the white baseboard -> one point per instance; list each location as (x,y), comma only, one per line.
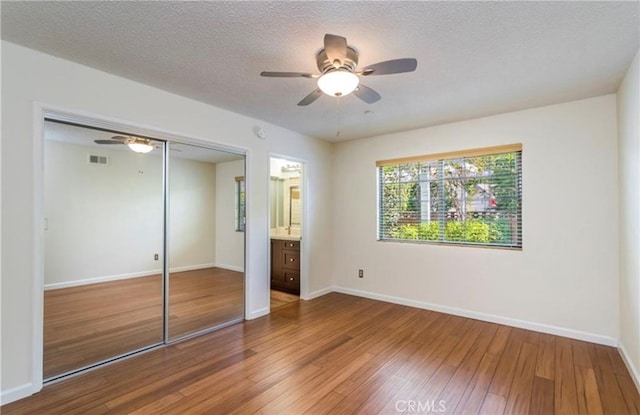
(318,293)
(191,267)
(258,313)
(108,278)
(635,372)
(230,267)
(19,392)
(96,280)
(543,328)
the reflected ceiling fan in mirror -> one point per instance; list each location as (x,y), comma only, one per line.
(137,144)
(337,63)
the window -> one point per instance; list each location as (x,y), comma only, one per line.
(240,204)
(470,197)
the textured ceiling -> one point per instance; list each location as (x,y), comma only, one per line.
(474,58)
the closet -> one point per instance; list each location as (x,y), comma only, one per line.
(141,243)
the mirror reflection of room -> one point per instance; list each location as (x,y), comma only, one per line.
(104,222)
(103,209)
(285,230)
(206,260)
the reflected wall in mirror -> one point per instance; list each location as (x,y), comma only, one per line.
(206,252)
(104,221)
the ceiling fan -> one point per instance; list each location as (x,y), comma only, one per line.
(337,63)
(137,144)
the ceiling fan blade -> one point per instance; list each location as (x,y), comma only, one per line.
(310,98)
(366,94)
(288,74)
(107,142)
(391,67)
(120,138)
(336,49)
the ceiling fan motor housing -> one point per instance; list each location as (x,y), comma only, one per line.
(350,62)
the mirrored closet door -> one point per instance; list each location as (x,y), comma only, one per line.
(104,221)
(206,239)
(114,204)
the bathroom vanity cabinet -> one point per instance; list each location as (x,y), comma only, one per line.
(285,265)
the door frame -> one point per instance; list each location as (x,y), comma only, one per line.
(304,231)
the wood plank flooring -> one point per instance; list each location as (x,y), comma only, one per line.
(90,323)
(340,354)
(204,298)
(280,298)
(87,324)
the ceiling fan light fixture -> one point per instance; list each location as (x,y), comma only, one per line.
(140,146)
(338,83)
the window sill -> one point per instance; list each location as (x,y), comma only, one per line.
(450,244)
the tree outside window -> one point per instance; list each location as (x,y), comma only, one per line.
(470,198)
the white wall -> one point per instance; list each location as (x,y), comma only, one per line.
(565,278)
(29,76)
(229,242)
(629,202)
(106,222)
(192,214)
(103,221)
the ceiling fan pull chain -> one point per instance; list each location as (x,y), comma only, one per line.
(338,116)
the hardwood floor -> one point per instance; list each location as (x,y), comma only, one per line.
(204,298)
(87,324)
(339,354)
(279,298)
(90,323)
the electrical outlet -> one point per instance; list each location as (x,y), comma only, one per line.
(360,273)
(155,257)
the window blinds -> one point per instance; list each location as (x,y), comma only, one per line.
(471,197)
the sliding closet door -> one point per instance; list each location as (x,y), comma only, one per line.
(205,239)
(104,221)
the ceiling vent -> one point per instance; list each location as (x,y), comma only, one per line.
(101,160)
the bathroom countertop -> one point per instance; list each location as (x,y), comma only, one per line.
(285,236)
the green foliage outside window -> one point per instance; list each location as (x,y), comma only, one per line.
(468,200)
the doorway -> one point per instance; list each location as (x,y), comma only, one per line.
(133,233)
(286,229)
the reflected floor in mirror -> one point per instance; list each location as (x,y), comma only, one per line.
(91,323)
(204,298)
